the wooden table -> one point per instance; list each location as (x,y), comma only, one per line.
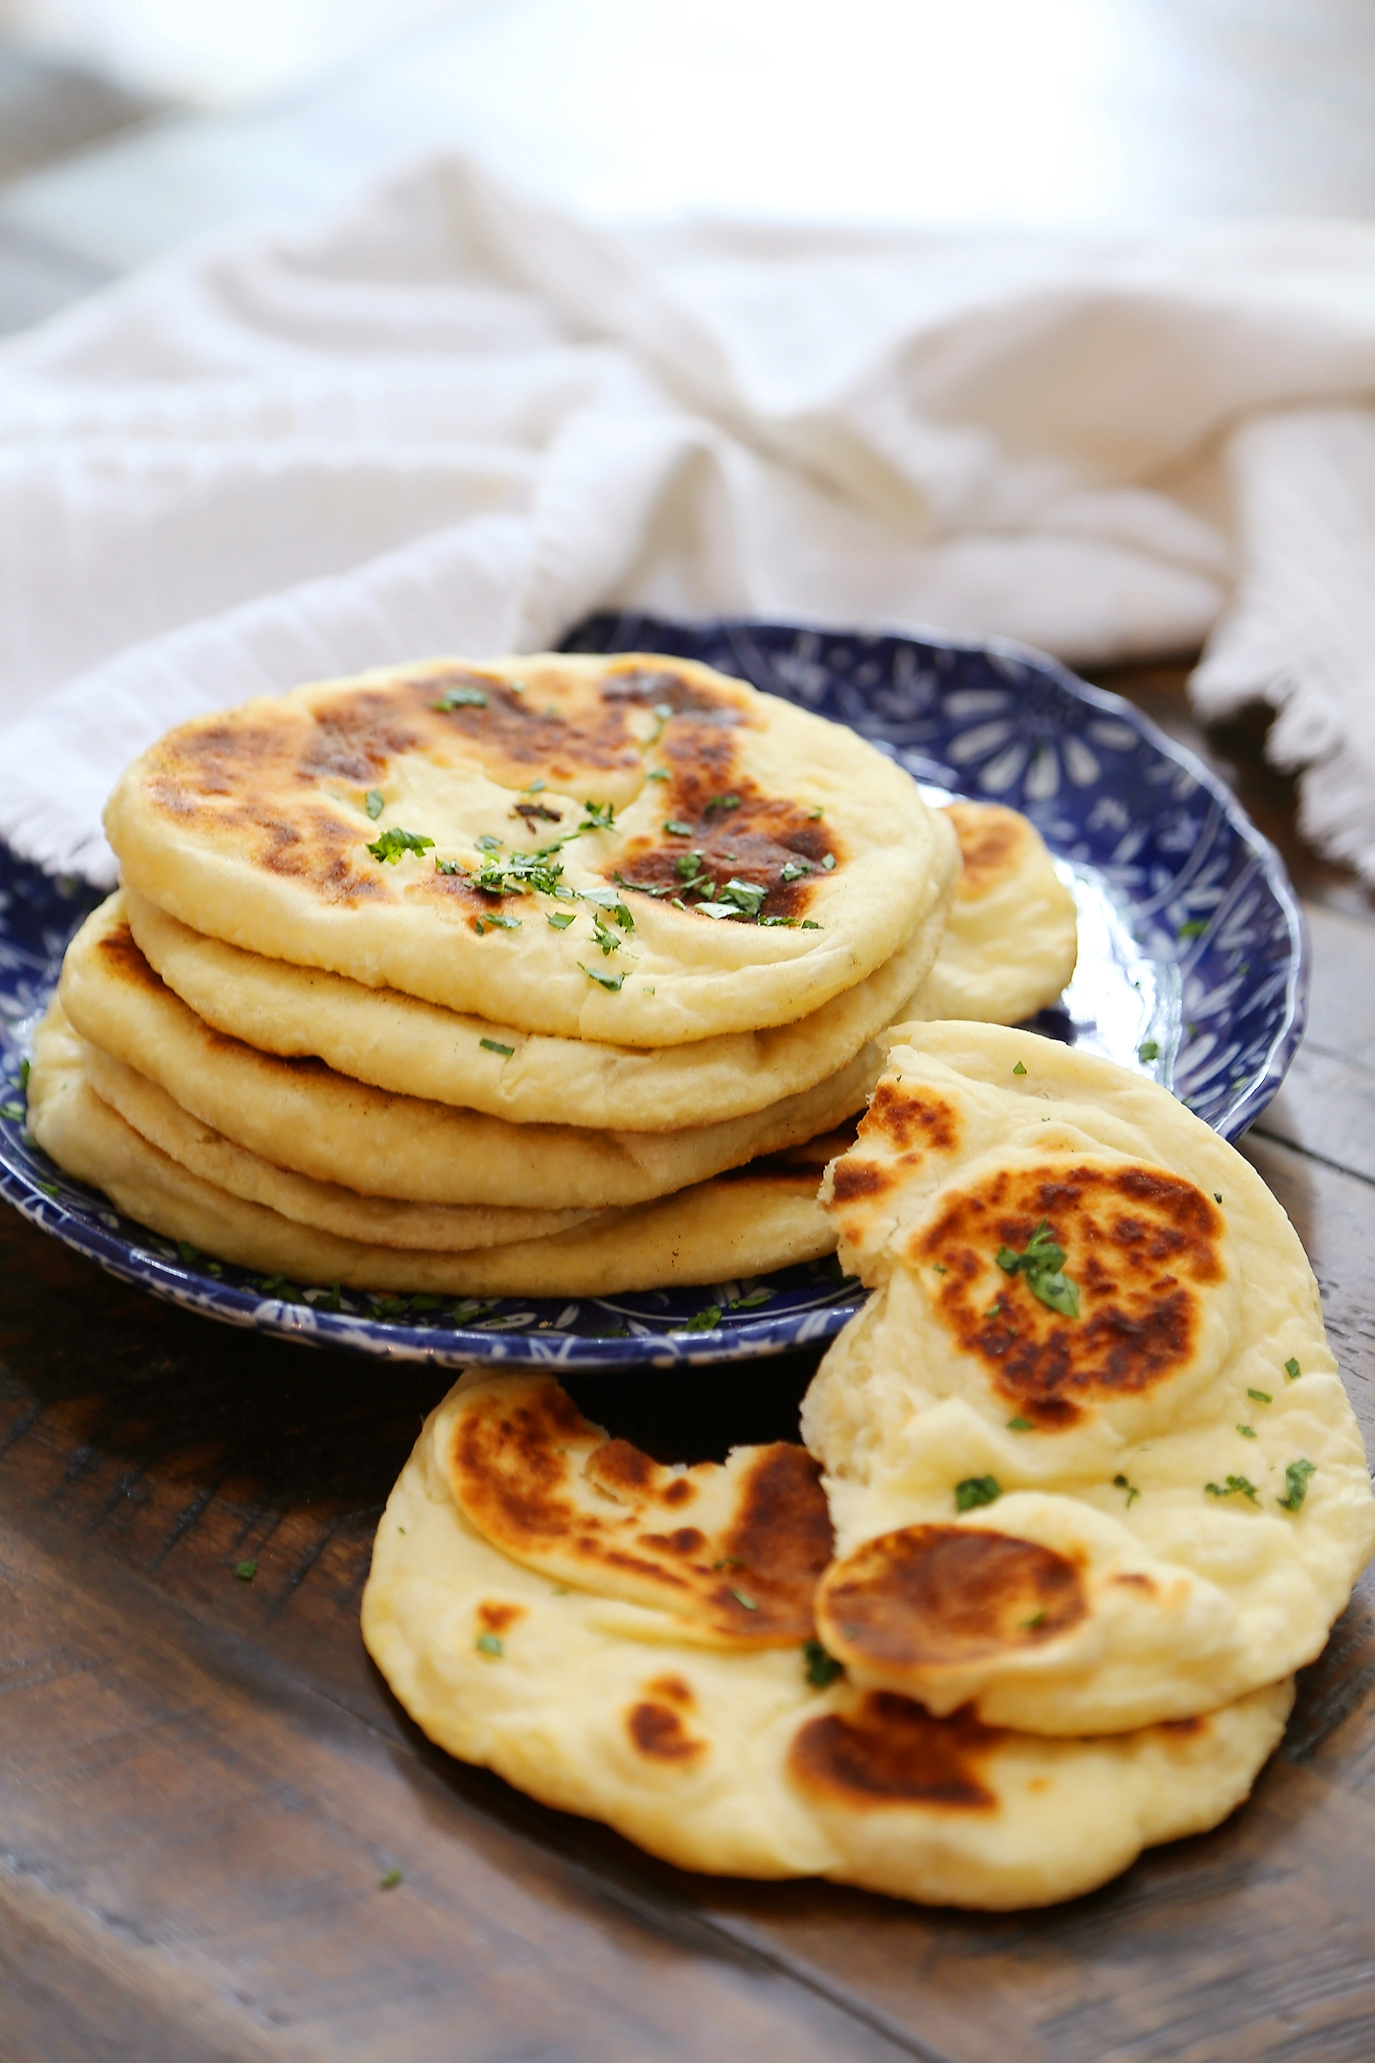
(204,1784)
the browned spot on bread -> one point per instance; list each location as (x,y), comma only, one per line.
(551,1490)
(855,1178)
(939,1597)
(911,1118)
(673,1691)
(1141,1245)
(659,1734)
(889,1751)
(499,1618)
(993,841)
(125,962)
(1185,1729)
(1131,1579)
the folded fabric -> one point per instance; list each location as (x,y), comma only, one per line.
(457,420)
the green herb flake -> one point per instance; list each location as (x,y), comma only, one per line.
(487,843)
(977,1490)
(495,1046)
(994,1309)
(939,1267)
(795,869)
(374,803)
(1019,1425)
(657,773)
(1030,1625)
(1248,1432)
(1261,1396)
(448,867)
(48,1188)
(1121,1483)
(719,802)
(535,788)
(1019,1068)
(704,1321)
(390,1881)
(598,816)
(1148,1050)
(809,924)
(820,1669)
(605,981)
(189,1254)
(748,1303)
(828,862)
(1292,1369)
(1296,1483)
(1042,1262)
(1195,928)
(245,1571)
(11,1110)
(24,1075)
(604,937)
(390,846)
(1235,1486)
(488,1644)
(743,1598)
(460,698)
(676,828)
(559,920)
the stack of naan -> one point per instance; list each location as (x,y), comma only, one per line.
(1081,1490)
(549,976)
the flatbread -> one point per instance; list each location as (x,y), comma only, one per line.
(253,826)
(720,1755)
(415,1048)
(1012,938)
(1132,1498)
(301,1115)
(742,1224)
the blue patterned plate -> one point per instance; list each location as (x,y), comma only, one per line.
(1192,968)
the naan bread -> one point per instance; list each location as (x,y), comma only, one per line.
(742,1224)
(1090,1488)
(301,1115)
(564,1611)
(415,1048)
(1012,938)
(254,826)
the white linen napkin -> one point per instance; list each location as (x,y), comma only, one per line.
(456,420)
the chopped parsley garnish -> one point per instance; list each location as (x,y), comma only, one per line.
(1261,1396)
(939,1267)
(374,803)
(722,802)
(561,919)
(1149,1049)
(1019,1069)
(488,1644)
(487,843)
(743,1598)
(390,846)
(1248,1432)
(1235,1486)
(705,1320)
(676,828)
(495,920)
(24,1075)
(810,924)
(756,1296)
(447,867)
(460,698)
(1292,1369)
(11,1110)
(745,896)
(605,981)
(1121,1483)
(727,1561)
(534,788)
(390,1881)
(607,899)
(1019,1425)
(657,773)
(1037,1619)
(828,862)
(495,1046)
(821,1669)
(795,869)
(1042,1263)
(48,1188)
(189,1254)
(1195,928)
(790,922)
(813,814)
(977,1490)
(994,1309)
(605,937)
(643,887)
(245,1571)
(1296,1483)
(598,816)
(687,865)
